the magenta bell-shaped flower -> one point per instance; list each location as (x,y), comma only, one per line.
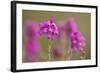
(76,38)
(49,28)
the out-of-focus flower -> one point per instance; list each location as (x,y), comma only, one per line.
(71,25)
(76,38)
(77,41)
(57,52)
(31,45)
(49,28)
(32,50)
(31,29)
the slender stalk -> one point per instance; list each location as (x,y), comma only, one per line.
(49,50)
(70,54)
(69,51)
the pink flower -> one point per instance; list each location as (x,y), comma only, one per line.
(32,50)
(71,25)
(49,28)
(76,38)
(31,29)
(32,45)
(77,41)
(57,52)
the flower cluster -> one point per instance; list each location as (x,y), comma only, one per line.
(76,38)
(32,46)
(49,28)
(77,41)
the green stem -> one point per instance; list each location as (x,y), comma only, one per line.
(49,50)
(70,54)
(69,51)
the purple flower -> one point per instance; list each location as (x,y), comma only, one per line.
(71,25)
(32,50)
(49,28)
(57,52)
(31,45)
(77,40)
(31,29)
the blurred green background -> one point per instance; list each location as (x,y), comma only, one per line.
(83,22)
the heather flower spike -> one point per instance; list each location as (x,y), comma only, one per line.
(32,46)
(32,50)
(77,40)
(50,29)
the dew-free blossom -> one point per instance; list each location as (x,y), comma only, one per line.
(57,52)
(31,29)
(31,45)
(77,41)
(49,28)
(76,38)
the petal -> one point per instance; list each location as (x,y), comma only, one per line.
(45,30)
(74,41)
(72,35)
